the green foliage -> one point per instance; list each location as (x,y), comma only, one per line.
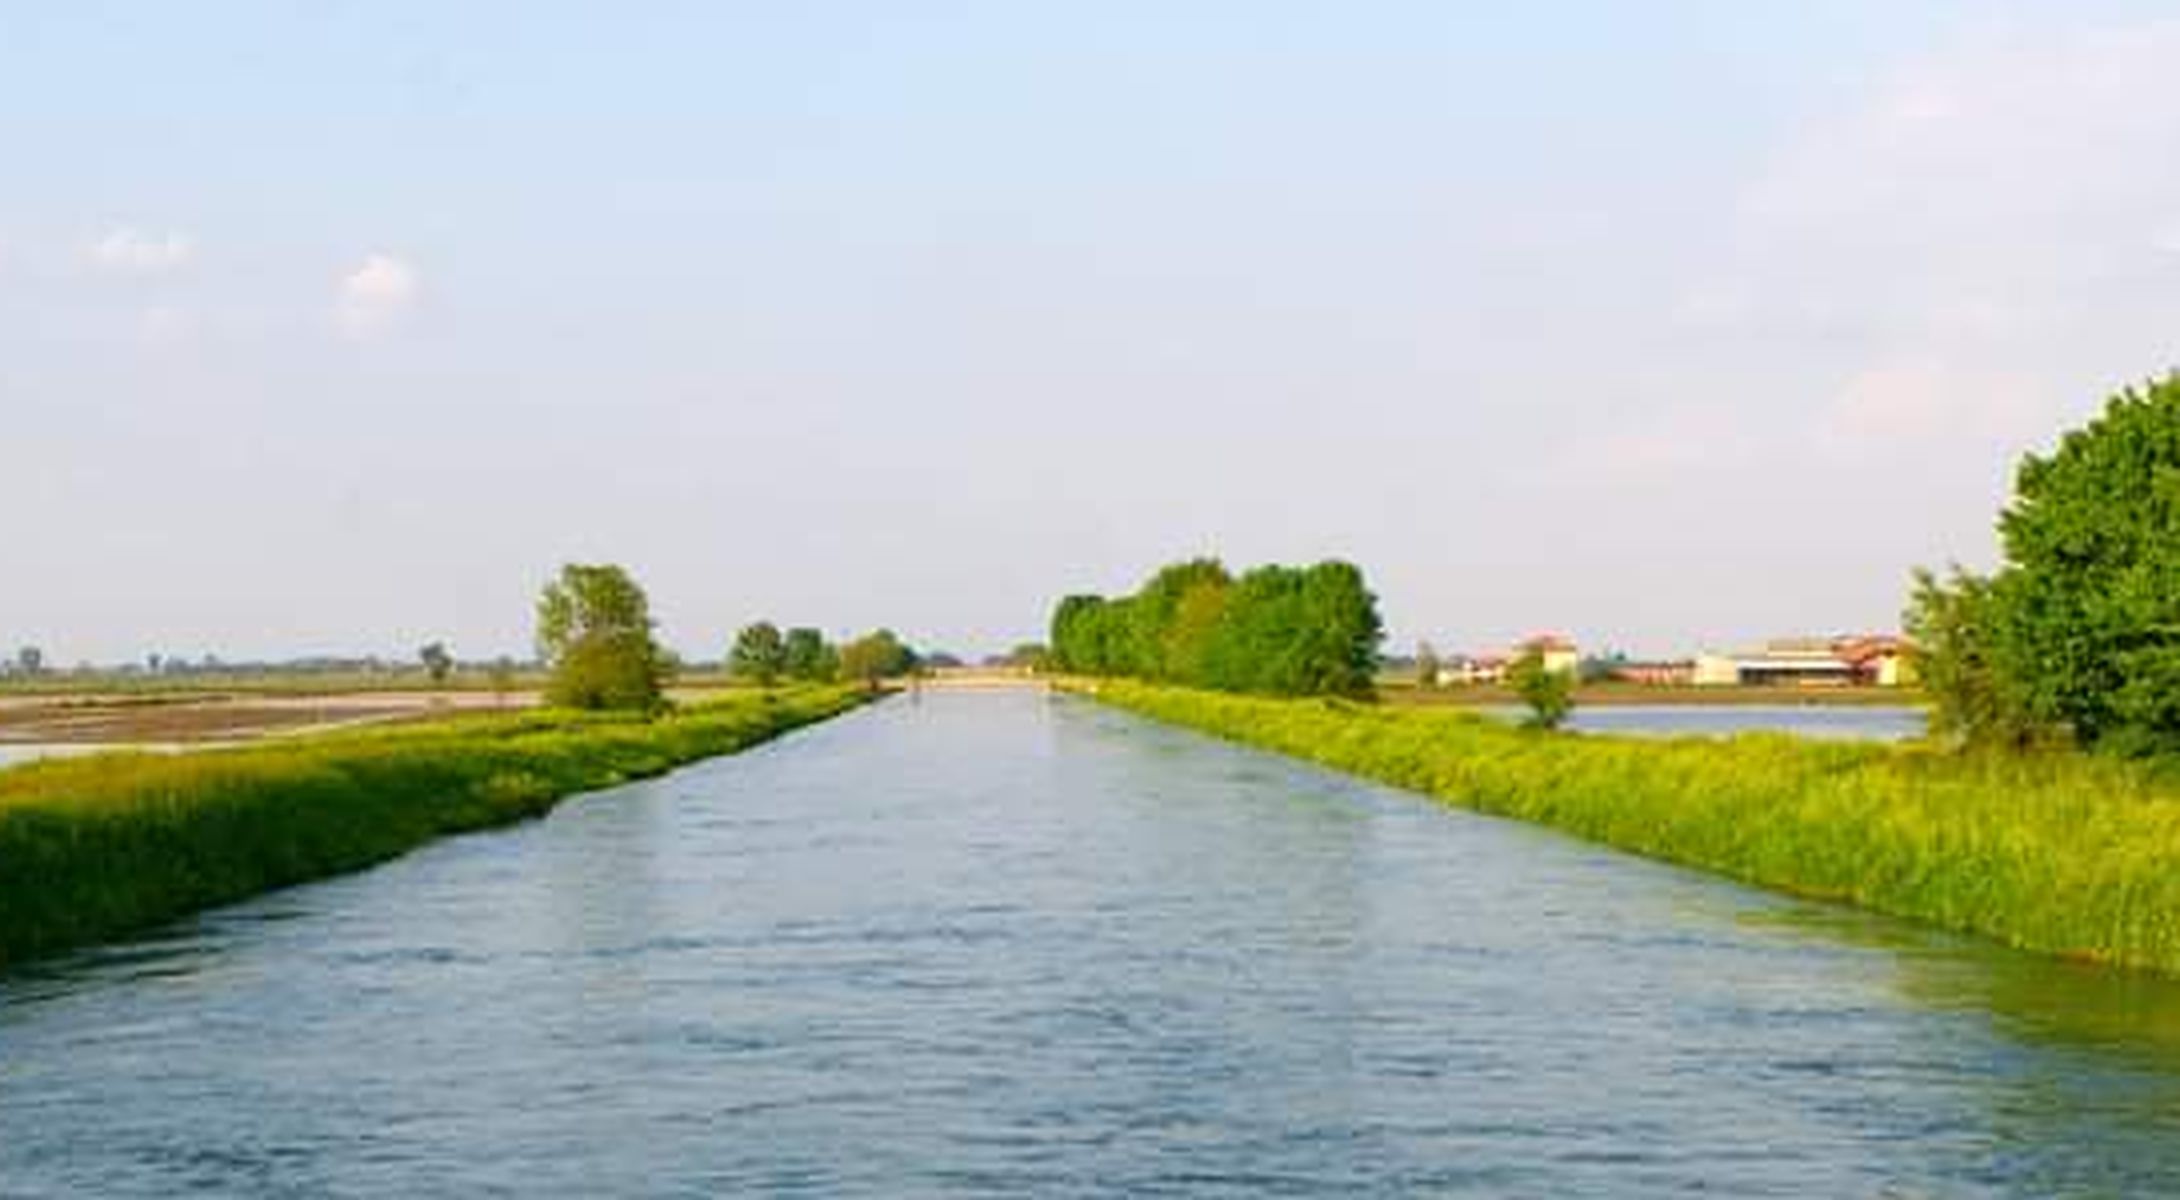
(875,656)
(594,635)
(1276,630)
(2078,632)
(1548,694)
(2067,854)
(91,848)
(808,657)
(1972,700)
(759,654)
(437,662)
(2090,595)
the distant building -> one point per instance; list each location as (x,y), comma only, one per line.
(1715,670)
(1559,654)
(1879,659)
(1679,673)
(1469,671)
(1867,660)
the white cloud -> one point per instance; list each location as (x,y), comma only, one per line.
(375,296)
(131,251)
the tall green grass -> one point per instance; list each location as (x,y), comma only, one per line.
(2065,854)
(95,847)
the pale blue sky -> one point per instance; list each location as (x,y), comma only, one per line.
(334,328)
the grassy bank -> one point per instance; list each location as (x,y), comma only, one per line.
(95,847)
(2063,854)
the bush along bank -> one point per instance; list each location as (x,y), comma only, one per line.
(97,847)
(2062,853)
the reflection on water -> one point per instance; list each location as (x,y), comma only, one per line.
(1007,945)
(2078,1005)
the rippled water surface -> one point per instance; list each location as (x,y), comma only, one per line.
(1007,945)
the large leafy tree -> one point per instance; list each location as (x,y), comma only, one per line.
(2090,595)
(808,656)
(759,654)
(1548,694)
(2078,632)
(594,633)
(1158,645)
(438,662)
(875,656)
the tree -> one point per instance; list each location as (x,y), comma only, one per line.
(1952,626)
(2077,634)
(30,660)
(875,656)
(1549,694)
(594,633)
(807,656)
(2088,602)
(1089,635)
(437,662)
(759,654)
(1427,665)
(1158,643)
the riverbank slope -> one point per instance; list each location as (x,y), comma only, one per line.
(2063,854)
(92,848)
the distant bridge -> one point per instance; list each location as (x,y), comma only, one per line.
(982,679)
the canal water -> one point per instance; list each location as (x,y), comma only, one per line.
(1873,722)
(1010,945)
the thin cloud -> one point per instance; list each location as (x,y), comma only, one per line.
(375,297)
(134,252)
(1974,240)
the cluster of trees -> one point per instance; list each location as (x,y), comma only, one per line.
(763,655)
(2076,636)
(596,637)
(1275,630)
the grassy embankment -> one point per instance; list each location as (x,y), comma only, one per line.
(2064,854)
(95,847)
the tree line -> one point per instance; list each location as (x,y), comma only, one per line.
(1274,630)
(763,655)
(597,640)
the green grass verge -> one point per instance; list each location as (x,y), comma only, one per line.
(92,848)
(2064,854)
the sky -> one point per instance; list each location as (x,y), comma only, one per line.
(336,328)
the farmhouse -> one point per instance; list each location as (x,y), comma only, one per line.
(1559,654)
(1868,660)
